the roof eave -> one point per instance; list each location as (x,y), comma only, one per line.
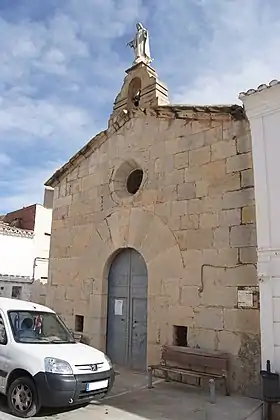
(259,89)
(54,179)
(168,111)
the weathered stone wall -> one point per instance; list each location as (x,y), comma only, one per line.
(193,220)
(38,292)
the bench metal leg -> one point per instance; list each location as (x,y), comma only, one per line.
(226,386)
(166,377)
(150,378)
(212,391)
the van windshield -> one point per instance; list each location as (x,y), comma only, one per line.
(39,327)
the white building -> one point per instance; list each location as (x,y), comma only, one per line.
(25,245)
(263,111)
(16,247)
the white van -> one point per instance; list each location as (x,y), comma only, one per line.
(41,365)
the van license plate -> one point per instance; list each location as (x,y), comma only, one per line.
(97,385)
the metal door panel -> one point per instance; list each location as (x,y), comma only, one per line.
(127,323)
(117,332)
(118,325)
(139,334)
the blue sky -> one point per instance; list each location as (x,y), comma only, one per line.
(63,63)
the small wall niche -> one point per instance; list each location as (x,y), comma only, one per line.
(180,335)
(16,292)
(79,323)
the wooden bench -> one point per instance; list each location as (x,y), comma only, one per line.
(193,362)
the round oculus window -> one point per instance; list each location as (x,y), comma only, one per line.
(134,181)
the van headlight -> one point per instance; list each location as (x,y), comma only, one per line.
(53,365)
(108,361)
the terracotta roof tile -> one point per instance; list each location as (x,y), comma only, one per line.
(259,88)
(5,228)
(14,278)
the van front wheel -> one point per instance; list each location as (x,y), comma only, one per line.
(22,398)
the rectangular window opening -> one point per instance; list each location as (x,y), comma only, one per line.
(79,323)
(180,335)
(16,292)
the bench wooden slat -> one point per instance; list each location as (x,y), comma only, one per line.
(187,359)
(198,351)
(186,372)
(194,362)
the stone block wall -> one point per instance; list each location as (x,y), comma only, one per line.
(193,220)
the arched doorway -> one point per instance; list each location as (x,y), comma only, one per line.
(127,310)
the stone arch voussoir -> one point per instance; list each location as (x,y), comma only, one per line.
(145,232)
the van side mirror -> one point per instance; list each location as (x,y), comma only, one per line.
(85,340)
(77,336)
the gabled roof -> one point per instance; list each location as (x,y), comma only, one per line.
(187,112)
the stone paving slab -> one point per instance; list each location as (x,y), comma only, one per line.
(179,402)
(131,400)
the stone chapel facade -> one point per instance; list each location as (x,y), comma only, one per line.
(153,234)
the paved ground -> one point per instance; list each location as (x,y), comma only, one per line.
(131,400)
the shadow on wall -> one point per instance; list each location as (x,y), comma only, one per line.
(38,292)
(247,364)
